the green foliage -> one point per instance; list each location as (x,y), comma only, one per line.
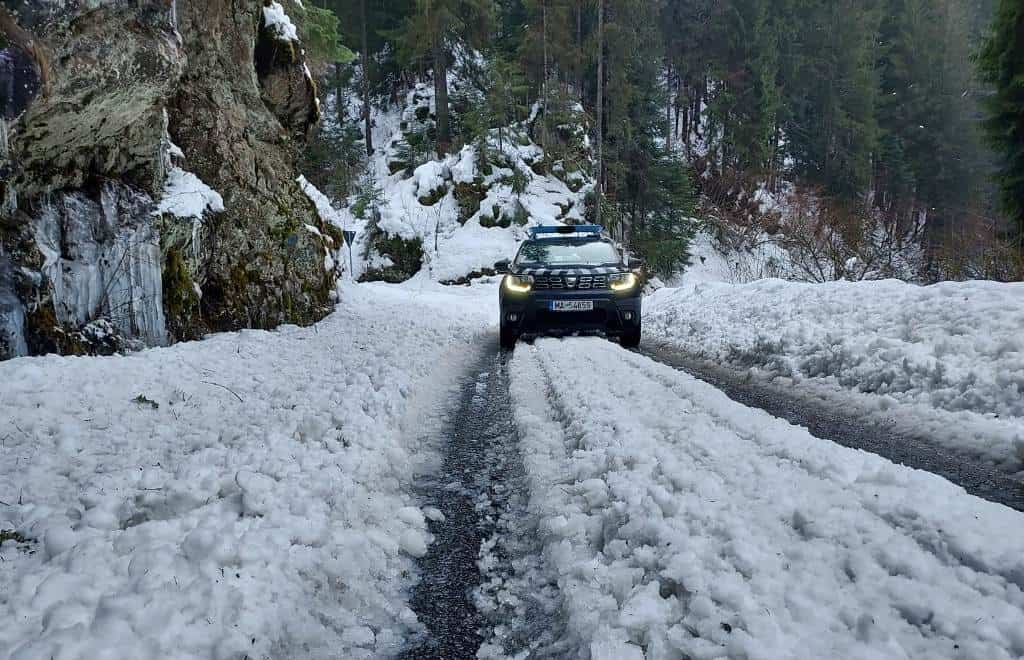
(406,255)
(334,159)
(368,197)
(1002,65)
(415,149)
(320,34)
(519,181)
(506,96)
(469,197)
(663,239)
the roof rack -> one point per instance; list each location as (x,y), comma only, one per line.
(566,230)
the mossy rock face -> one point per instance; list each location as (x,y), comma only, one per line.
(45,334)
(434,196)
(261,267)
(96,124)
(181,301)
(469,196)
(337,238)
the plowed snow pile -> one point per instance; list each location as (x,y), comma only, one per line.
(946,360)
(244,496)
(680,524)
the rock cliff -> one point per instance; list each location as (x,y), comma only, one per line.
(148,174)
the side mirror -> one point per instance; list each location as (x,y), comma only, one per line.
(634,264)
(502,266)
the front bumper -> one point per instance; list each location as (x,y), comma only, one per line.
(530,313)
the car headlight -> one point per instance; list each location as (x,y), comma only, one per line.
(519,283)
(622,282)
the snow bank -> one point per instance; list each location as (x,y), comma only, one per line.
(244,496)
(186,196)
(952,353)
(278,22)
(696,527)
(323,205)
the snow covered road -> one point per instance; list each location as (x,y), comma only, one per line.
(679,523)
(280,495)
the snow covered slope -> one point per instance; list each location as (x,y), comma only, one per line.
(946,359)
(245,496)
(679,524)
(463,212)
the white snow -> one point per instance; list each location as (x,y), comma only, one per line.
(278,22)
(264,509)
(947,359)
(323,205)
(186,196)
(678,523)
(453,250)
(429,177)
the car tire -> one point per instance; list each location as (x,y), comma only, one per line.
(508,338)
(631,338)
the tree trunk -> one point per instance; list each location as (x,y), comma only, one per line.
(544,83)
(444,138)
(599,186)
(366,81)
(579,48)
(339,94)
(668,105)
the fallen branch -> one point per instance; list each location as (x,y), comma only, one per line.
(206,382)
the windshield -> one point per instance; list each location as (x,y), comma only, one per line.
(567,252)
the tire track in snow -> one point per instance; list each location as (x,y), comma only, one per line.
(679,519)
(850,429)
(482,588)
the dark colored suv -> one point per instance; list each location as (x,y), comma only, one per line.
(570,279)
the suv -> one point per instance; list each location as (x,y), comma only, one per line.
(569,279)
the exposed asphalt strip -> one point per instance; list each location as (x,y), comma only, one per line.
(482,583)
(976,476)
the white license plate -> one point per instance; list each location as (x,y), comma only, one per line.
(572,305)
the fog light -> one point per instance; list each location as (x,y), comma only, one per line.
(628,316)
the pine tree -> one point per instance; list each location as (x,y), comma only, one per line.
(1002,65)
(831,123)
(430,34)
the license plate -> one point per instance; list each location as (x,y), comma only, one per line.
(572,305)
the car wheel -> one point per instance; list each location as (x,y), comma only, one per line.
(630,339)
(508,338)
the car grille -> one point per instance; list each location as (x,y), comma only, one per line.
(558,282)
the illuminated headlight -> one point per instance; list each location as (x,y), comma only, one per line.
(519,283)
(622,282)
